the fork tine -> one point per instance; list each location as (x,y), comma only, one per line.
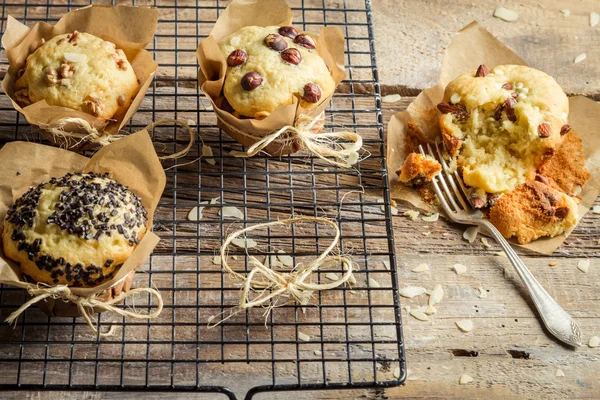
(462,186)
(463,202)
(444,185)
(438,191)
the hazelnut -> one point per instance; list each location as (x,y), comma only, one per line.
(565,129)
(305,40)
(237,57)
(251,81)
(292,56)
(509,108)
(544,130)
(312,93)
(482,71)
(288,31)
(276,42)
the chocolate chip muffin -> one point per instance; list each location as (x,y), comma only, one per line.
(77,230)
(79,71)
(268,67)
(502,124)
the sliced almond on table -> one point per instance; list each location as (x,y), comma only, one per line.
(303,336)
(412,214)
(373,283)
(583,265)
(232,212)
(470,234)
(594,341)
(594,19)
(421,268)
(553,263)
(437,294)
(207,152)
(391,98)
(459,269)
(482,293)
(505,14)
(411,291)
(318,353)
(331,276)
(565,12)
(431,218)
(420,315)
(246,243)
(397,372)
(195,214)
(559,372)
(465,379)
(217,260)
(485,243)
(579,58)
(465,325)
(430,310)
(386,264)
(286,260)
(596,209)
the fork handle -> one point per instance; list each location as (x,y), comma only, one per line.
(558,322)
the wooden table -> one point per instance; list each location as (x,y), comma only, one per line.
(508,353)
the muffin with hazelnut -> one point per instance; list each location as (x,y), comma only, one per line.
(78,71)
(272,66)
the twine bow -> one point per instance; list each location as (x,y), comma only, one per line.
(274,284)
(63,292)
(323,145)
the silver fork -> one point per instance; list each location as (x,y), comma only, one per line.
(458,208)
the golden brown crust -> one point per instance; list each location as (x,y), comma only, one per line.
(414,138)
(418,169)
(533,210)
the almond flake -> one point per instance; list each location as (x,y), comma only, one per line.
(430,310)
(373,283)
(465,325)
(232,212)
(412,214)
(207,152)
(426,233)
(397,372)
(465,379)
(195,214)
(217,260)
(594,19)
(505,14)
(553,263)
(394,210)
(246,243)
(411,291)
(286,260)
(500,254)
(234,257)
(459,269)
(352,159)
(303,336)
(318,353)
(214,200)
(565,12)
(420,315)
(331,276)
(431,218)
(482,293)
(386,264)
(485,243)
(391,98)
(211,318)
(421,268)
(470,234)
(579,58)
(583,265)
(437,294)
(559,372)
(75,57)
(596,209)
(594,341)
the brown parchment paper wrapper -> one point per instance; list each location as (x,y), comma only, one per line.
(131,161)
(213,66)
(130,28)
(472,46)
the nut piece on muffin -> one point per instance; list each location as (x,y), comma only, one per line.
(418,169)
(78,71)
(533,210)
(77,230)
(502,124)
(268,67)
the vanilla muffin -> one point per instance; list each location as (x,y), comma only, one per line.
(78,71)
(268,67)
(533,210)
(77,230)
(502,124)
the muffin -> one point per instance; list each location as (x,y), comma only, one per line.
(78,71)
(270,66)
(76,230)
(502,124)
(418,169)
(533,210)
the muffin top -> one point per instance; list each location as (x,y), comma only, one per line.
(76,230)
(502,124)
(79,71)
(268,66)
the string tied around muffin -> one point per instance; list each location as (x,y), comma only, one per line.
(272,285)
(39,292)
(338,148)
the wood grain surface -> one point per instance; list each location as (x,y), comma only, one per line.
(508,353)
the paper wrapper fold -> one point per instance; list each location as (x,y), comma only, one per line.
(131,161)
(213,65)
(473,46)
(130,28)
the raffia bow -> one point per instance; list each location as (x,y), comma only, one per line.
(342,146)
(273,284)
(40,292)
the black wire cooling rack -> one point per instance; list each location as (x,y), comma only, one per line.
(351,339)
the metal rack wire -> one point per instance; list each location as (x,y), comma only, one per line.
(355,332)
